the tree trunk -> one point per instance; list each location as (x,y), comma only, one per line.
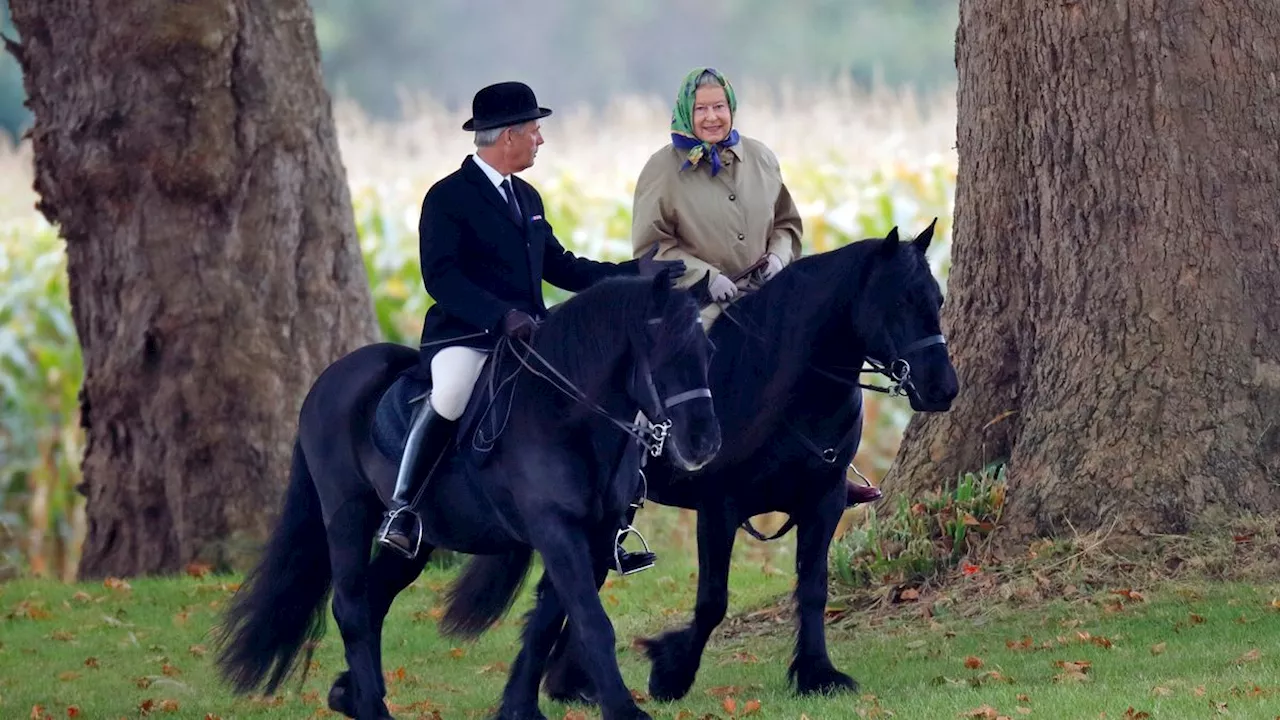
(1114,299)
(188,153)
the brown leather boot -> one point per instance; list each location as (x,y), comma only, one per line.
(859,493)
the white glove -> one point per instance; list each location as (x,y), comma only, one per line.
(722,289)
(772,266)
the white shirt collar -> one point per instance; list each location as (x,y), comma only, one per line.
(494,176)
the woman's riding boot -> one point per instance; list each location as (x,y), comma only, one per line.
(858,494)
(429,436)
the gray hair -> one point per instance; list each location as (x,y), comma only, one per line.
(486,138)
(708,78)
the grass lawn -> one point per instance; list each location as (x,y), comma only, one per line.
(1173,651)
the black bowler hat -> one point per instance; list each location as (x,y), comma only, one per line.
(503,104)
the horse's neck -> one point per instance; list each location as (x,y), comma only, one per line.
(552,412)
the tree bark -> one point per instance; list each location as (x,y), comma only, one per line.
(1114,298)
(188,153)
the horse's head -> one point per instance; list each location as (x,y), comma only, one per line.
(899,323)
(669,378)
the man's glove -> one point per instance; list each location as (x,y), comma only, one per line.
(722,289)
(517,324)
(649,266)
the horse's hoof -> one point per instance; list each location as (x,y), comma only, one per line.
(674,665)
(340,701)
(569,686)
(820,679)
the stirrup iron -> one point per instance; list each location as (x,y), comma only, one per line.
(617,550)
(386,525)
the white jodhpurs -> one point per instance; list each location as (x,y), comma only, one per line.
(454,371)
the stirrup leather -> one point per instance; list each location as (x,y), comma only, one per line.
(386,527)
(617,550)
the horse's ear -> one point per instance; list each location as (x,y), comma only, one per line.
(891,242)
(922,240)
(661,286)
(702,290)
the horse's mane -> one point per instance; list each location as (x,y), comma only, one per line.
(585,336)
(773,334)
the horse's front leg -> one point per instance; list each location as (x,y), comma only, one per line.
(676,655)
(811,670)
(567,555)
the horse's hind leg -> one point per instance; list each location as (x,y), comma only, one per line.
(389,574)
(542,625)
(676,655)
(350,536)
(811,670)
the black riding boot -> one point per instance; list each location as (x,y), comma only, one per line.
(429,436)
(631,562)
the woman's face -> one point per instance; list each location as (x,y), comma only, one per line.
(711,119)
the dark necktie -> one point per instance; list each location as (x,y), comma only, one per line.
(511,201)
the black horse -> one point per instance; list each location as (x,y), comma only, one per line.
(558,480)
(788,395)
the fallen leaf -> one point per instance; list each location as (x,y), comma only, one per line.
(1253,655)
(985,712)
(1026,643)
(61,636)
(198,569)
(198,650)
(751,707)
(1132,714)
(169,705)
(909,595)
(91,662)
(73,711)
(1023,697)
(457,652)
(1158,648)
(575,715)
(68,676)
(170,670)
(1161,691)
(114,583)
(730,705)
(972,662)
(724,691)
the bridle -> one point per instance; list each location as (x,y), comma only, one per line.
(652,433)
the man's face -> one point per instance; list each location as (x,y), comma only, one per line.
(711,119)
(522,143)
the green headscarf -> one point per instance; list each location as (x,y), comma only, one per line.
(682,135)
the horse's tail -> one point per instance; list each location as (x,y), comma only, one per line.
(484,592)
(280,605)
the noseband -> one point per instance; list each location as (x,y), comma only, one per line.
(655,436)
(899,370)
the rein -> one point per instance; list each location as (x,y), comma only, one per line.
(650,435)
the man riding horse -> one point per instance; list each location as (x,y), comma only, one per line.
(485,249)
